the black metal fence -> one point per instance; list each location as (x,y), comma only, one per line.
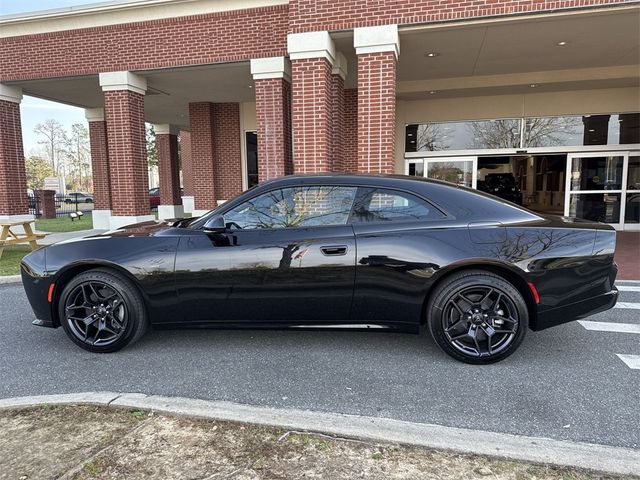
(65,204)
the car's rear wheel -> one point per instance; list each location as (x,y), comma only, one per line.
(102,311)
(477,317)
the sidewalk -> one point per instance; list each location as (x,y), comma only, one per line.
(628,255)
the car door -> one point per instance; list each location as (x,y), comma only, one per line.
(287,256)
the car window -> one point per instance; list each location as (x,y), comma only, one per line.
(381,205)
(304,206)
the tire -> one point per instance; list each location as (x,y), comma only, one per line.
(477,317)
(102,311)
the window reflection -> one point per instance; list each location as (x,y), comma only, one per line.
(596,173)
(294,207)
(632,207)
(573,130)
(597,207)
(457,172)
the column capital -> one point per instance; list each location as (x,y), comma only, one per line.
(382,38)
(110,81)
(340,66)
(311,45)
(271,67)
(94,114)
(10,93)
(165,129)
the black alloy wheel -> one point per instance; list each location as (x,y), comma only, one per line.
(102,311)
(477,317)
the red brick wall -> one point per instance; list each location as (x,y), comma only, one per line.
(350,130)
(311,115)
(273,119)
(201,126)
(337,123)
(13,180)
(311,15)
(128,168)
(226,152)
(197,39)
(185,160)
(100,165)
(376,112)
(168,169)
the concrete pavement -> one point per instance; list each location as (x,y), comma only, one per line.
(565,383)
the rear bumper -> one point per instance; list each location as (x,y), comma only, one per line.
(575,311)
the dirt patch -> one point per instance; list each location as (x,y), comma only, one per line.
(101,443)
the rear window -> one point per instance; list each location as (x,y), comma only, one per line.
(383,205)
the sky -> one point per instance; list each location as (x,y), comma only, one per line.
(34,110)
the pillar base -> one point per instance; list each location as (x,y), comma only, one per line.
(17,218)
(101,219)
(116,221)
(170,211)
(188,203)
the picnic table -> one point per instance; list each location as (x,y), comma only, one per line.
(10,236)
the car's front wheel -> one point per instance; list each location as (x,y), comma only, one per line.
(102,311)
(477,317)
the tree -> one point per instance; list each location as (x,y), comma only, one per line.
(430,138)
(53,137)
(79,155)
(152,155)
(37,169)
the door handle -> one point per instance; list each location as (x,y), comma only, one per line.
(334,250)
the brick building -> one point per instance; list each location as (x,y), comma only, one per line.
(543,94)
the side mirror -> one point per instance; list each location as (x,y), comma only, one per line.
(215,224)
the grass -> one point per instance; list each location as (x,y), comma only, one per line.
(64,224)
(10,261)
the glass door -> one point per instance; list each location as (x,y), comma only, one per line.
(595,187)
(457,170)
(632,193)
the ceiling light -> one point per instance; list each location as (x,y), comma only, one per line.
(562,43)
(533,85)
(432,92)
(431,54)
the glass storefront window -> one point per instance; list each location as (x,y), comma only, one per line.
(252,158)
(598,207)
(582,130)
(458,172)
(416,169)
(597,173)
(430,137)
(574,130)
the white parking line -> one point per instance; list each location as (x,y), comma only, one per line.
(610,326)
(632,361)
(628,288)
(632,306)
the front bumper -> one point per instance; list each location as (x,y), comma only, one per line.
(576,311)
(37,288)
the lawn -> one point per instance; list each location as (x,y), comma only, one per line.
(64,224)
(10,261)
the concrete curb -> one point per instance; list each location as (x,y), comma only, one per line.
(533,449)
(6,279)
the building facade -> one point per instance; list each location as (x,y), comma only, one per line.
(539,97)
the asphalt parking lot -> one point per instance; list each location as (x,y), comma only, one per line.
(579,381)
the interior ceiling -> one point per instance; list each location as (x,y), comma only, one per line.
(515,46)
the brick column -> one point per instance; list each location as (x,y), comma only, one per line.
(312,56)
(202,154)
(377,49)
(272,78)
(126,144)
(187,171)
(99,167)
(350,151)
(47,203)
(338,138)
(227,152)
(169,172)
(13,179)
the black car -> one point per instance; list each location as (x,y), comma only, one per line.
(502,185)
(334,251)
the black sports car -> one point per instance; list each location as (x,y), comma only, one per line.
(333,251)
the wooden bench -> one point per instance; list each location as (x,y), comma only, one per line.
(11,237)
